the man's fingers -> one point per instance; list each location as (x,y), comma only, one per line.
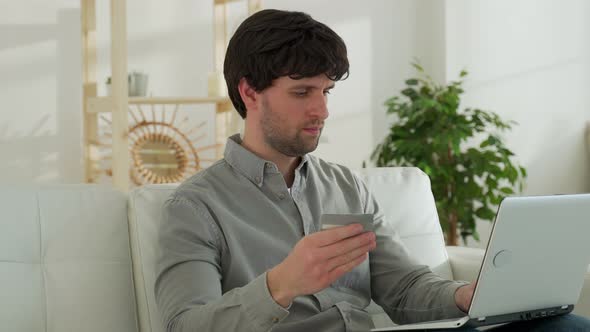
(332,235)
(342,269)
(347,245)
(349,256)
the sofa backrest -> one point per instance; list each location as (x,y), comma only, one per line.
(403,193)
(145,209)
(64,260)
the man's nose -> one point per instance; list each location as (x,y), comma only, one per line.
(319,108)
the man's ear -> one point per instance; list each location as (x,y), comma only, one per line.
(248,94)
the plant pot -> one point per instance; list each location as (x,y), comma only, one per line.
(137,85)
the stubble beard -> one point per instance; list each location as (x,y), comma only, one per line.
(275,137)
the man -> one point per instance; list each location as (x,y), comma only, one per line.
(241,243)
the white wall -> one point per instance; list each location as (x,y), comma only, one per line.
(529,61)
(39,92)
(40,137)
(381,39)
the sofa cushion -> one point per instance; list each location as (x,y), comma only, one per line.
(403,193)
(64,260)
(405,196)
(145,209)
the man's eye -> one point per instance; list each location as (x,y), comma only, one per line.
(300,93)
(326,92)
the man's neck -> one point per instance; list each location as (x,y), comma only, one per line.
(286,164)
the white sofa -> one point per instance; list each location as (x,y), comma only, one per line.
(81,257)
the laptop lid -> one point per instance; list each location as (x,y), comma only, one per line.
(537,255)
(534,265)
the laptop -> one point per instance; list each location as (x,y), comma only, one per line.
(534,264)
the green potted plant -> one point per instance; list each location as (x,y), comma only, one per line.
(470,168)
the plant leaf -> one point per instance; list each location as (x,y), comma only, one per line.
(470,168)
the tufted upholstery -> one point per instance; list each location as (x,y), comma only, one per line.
(404,194)
(144,210)
(64,260)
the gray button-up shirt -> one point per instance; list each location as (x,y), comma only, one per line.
(226,226)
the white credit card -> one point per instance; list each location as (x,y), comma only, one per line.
(335,220)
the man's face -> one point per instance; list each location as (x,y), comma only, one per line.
(293,113)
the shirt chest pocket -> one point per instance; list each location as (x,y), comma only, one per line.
(359,279)
(353,288)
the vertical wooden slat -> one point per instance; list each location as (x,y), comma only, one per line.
(119,94)
(254,6)
(227,123)
(89,88)
(220,131)
(219,34)
(219,45)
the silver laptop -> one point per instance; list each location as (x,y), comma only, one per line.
(534,265)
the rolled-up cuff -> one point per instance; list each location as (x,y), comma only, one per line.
(259,304)
(450,308)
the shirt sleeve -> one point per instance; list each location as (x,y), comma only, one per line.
(407,291)
(188,282)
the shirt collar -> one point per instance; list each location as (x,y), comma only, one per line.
(249,164)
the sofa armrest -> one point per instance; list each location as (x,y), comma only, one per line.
(582,308)
(465,264)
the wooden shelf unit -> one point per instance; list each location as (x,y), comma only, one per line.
(227,120)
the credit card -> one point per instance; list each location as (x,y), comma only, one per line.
(335,220)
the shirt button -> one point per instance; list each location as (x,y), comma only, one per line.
(275,320)
(281,196)
(257,179)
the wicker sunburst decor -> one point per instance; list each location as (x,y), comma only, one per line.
(163,150)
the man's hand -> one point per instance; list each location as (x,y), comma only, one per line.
(463,296)
(318,260)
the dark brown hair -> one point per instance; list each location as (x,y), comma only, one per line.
(273,43)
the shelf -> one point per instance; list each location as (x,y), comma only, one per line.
(123,109)
(223,2)
(105,104)
(178,100)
